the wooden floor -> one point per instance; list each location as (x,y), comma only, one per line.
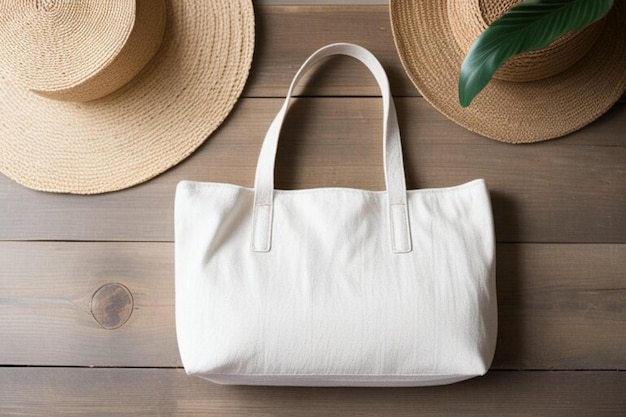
(87,284)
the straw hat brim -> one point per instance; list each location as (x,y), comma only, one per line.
(514,112)
(149,125)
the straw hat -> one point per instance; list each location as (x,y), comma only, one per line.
(539,95)
(98,96)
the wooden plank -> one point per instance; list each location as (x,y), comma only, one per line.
(287,35)
(46,292)
(571,190)
(556,301)
(169,392)
(561,306)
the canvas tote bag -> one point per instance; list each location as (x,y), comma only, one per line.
(335,286)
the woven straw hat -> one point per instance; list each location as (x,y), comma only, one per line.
(98,96)
(536,96)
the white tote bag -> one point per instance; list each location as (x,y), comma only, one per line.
(335,286)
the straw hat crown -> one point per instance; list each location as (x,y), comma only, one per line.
(469,18)
(78,50)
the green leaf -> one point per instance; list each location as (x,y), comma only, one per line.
(531,25)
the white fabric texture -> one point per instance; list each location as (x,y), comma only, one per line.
(335,286)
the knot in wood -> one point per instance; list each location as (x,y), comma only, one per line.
(111,305)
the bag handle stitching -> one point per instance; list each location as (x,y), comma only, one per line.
(392,149)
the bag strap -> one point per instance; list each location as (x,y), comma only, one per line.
(392,150)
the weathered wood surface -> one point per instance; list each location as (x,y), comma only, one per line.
(560,306)
(566,190)
(287,35)
(100,290)
(85,392)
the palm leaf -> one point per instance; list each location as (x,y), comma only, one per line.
(531,25)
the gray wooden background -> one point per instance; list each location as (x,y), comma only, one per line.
(68,262)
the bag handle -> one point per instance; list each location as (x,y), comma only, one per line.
(392,150)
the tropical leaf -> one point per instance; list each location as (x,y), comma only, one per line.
(530,25)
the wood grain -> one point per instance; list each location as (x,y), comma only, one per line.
(567,190)
(561,306)
(169,392)
(287,35)
(46,292)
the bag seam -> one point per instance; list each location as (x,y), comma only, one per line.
(468,185)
